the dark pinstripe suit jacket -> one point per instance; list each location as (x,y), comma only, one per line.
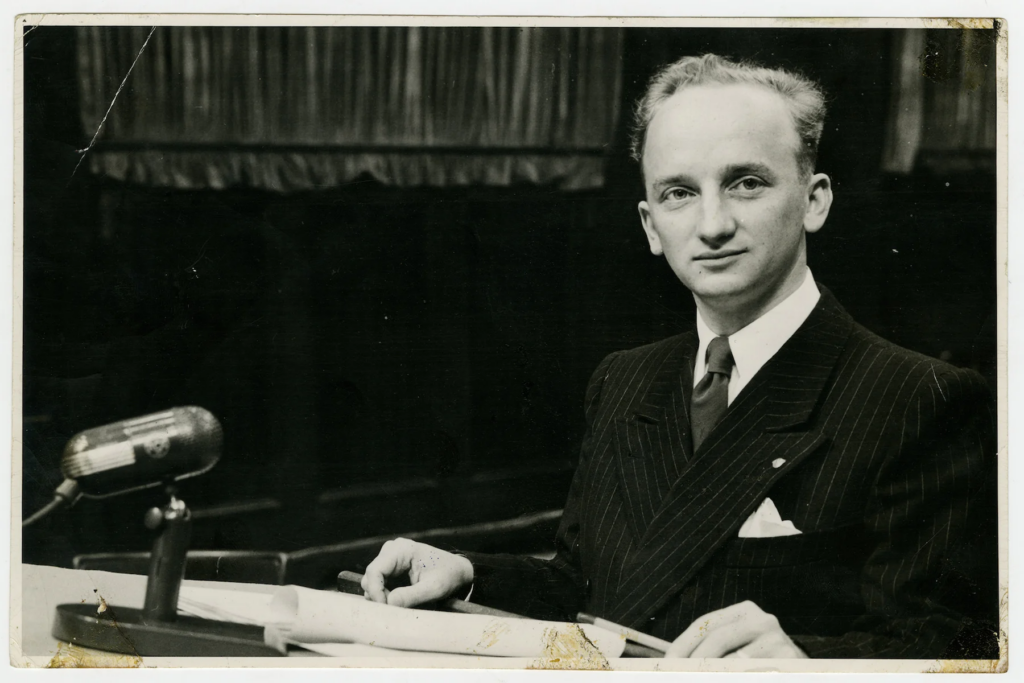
(879,455)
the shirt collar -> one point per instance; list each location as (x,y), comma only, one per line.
(755,344)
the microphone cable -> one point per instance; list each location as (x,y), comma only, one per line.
(67,493)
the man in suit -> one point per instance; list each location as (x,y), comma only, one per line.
(778,482)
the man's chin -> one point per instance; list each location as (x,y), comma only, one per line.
(720,290)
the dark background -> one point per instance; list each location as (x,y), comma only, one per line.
(386,360)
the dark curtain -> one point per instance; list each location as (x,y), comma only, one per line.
(943,113)
(290,109)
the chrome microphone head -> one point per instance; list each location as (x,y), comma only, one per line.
(144,451)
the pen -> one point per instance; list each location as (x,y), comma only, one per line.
(349,582)
(658,644)
(643,645)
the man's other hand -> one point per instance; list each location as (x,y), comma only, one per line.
(740,630)
(433,573)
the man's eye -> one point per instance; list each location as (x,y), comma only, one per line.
(678,193)
(750,184)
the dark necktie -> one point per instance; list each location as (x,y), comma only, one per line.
(711,395)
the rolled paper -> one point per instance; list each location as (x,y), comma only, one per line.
(303,615)
(236,606)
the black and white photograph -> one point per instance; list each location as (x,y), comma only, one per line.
(510,343)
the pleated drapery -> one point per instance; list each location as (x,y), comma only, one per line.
(943,112)
(290,109)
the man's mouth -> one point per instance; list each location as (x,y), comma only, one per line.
(718,255)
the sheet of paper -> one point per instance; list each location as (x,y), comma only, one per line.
(306,616)
(240,607)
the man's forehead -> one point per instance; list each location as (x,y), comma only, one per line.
(725,124)
(731,107)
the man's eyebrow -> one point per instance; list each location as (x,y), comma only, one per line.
(678,179)
(747,168)
(728,173)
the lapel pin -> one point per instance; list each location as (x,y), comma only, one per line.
(778,462)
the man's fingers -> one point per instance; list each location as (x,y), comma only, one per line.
(771,645)
(739,631)
(373,581)
(729,637)
(417,594)
(373,585)
(687,642)
(394,558)
(434,573)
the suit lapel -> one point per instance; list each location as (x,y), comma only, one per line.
(653,438)
(763,436)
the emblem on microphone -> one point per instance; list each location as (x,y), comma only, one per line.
(157,445)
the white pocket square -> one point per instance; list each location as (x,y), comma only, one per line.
(766,522)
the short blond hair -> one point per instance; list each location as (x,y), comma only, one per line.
(804,97)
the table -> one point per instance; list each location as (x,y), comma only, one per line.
(44,587)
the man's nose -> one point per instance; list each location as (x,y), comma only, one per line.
(716,223)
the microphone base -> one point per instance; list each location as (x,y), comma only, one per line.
(124,630)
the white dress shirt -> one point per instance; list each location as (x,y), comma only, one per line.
(756,343)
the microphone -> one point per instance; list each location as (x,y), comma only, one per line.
(136,454)
(146,451)
(143,452)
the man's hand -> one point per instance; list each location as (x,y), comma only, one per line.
(741,630)
(434,574)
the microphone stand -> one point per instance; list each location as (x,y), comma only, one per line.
(167,561)
(157,630)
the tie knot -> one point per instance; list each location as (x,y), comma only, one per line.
(719,358)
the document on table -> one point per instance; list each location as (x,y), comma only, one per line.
(240,607)
(317,619)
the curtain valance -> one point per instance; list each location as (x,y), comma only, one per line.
(289,109)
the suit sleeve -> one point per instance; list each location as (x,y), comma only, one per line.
(932,501)
(546,589)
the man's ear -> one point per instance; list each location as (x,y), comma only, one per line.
(648,223)
(819,202)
